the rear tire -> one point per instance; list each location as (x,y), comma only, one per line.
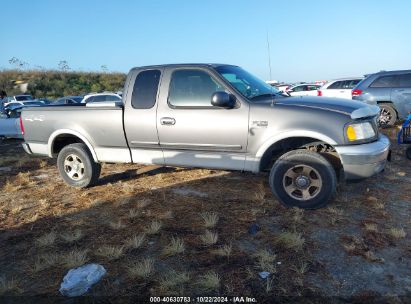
(77,167)
(388,115)
(303,179)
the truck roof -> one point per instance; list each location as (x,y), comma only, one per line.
(178,65)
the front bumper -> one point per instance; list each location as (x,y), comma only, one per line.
(365,160)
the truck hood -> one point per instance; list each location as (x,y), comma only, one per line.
(352,108)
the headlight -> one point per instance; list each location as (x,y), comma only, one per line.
(359,131)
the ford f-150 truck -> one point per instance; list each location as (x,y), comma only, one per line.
(214,116)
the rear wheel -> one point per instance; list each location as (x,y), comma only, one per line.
(388,115)
(303,179)
(77,167)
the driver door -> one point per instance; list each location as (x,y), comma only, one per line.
(194,133)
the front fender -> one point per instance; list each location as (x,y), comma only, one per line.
(253,162)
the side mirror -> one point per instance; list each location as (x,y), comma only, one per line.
(223,100)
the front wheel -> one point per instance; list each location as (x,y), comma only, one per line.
(77,167)
(303,179)
(388,115)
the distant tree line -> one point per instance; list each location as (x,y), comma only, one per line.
(54,84)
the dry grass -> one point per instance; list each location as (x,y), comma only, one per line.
(136,241)
(117,225)
(16,209)
(47,239)
(269,284)
(10,187)
(210,281)
(143,269)
(43,163)
(297,215)
(397,233)
(110,252)
(173,280)
(265,260)
(133,213)
(74,258)
(176,246)
(154,227)
(291,240)
(142,204)
(72,236)
(259,195)
(371,227)
(7,285)
(210,219)
(209,238)
(44,203)
(45,261)
(370,256)
(301,269)
(23,178)
(224,251)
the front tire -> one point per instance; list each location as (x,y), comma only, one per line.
(77,167)
(303,179)
(388,115)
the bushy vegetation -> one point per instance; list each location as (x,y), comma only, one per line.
(53,84)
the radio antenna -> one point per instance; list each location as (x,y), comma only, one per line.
(269,55)
(269,67)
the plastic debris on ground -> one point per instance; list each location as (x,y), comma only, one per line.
(264,274)
(79,280)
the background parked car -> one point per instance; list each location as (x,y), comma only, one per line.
(340,88)
(306,89)
(391,90)
(283,87)
(43,100)
(68,100)
(21,104)
(17,99)
(99,97)
(10,123)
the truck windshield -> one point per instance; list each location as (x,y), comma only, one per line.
(247,84)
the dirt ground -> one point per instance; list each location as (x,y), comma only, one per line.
(194,232)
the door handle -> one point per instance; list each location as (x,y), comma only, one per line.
(167,121)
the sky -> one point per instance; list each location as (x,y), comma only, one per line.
(309,40)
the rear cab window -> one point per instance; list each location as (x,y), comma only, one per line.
(145,89)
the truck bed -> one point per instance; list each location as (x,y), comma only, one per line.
(99,126)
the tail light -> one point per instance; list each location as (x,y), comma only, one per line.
(356,92)
(21,126)
(319,93)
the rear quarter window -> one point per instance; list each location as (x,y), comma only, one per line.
(385,82)
(145,89)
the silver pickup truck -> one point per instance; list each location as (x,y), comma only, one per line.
(214,116)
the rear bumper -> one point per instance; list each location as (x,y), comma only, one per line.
(26,148)
(365,160)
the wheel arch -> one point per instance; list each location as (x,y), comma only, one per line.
(61,138)
(288,141)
